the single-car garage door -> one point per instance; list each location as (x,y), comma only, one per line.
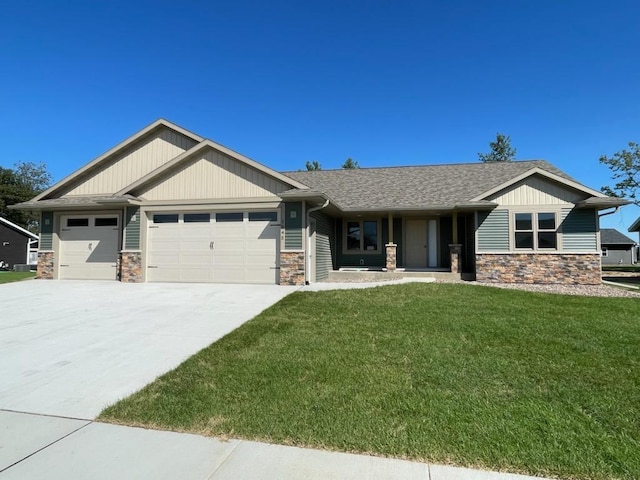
(89,247)
(220,247)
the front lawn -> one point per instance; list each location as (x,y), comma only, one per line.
(6,277)
(460,374)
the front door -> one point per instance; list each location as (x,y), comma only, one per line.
(416,244)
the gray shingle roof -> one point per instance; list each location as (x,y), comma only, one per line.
(611,236)
(415,186)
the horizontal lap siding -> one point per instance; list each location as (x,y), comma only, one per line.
(132,232)
(46,231)
(293,226)
(493,231)
(324,257)
(579,230)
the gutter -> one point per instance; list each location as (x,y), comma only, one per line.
(615,209)
(307,255)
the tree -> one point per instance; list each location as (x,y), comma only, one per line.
(501,150)
(313,165)
(625,168)
(349,163)
(20,184)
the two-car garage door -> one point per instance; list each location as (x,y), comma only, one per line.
(222,247)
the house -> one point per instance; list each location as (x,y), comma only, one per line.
(617,249)
(167,205)
(18,246)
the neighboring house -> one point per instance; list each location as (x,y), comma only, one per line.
(635,227)
(169,205)
(18,246)
(617,249)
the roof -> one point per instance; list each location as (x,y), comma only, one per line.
(416,187)
(635,226)
(611,236)
(18,228)
(80,201)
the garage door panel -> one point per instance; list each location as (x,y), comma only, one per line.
(88,252)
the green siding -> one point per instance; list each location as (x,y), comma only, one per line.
(493,231)
(46,231)
(446,239)
(378,260)
(132,229)
(579,230)
(293,226)
(324,255)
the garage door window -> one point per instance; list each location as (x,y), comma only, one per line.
(107,222)
(166,218)
(77,222)
(197,218)
(229,217)
(263,216)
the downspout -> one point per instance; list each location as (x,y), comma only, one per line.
(307,260)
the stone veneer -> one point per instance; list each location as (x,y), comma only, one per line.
(391,250)
(46,265)
(130,267)
(455,250)
(291,268)
(564,268)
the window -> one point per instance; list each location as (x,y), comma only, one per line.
(605,252)
(535,231)
(263,216)
(166,218)
(362,236)
(107,222)
(229,217)
(197,218)
(77,222)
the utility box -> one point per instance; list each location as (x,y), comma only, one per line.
(22,268)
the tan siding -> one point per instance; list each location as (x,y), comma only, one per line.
(134,163)
(537,191)
(213,176)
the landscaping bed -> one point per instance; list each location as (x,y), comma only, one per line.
(444,373)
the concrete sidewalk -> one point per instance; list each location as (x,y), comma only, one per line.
(40,446)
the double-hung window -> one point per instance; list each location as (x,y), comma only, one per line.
(535,231)
(362,236)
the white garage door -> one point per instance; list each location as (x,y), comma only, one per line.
(89,247)
(220,247)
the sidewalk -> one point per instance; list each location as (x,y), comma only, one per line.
(39,446)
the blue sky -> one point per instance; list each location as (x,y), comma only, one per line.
(283,82)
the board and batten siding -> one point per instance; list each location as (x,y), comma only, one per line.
(324,257)
(46,231)
(134,163)
(132,228)
(493,231)
(213,175)
(579,230)
(536,190)
(293,226)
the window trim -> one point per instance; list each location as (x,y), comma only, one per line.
(360,251)
(535,230)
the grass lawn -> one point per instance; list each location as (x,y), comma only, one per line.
(460,374)
(621,268)
(6,277)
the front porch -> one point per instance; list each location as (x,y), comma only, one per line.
(349,275)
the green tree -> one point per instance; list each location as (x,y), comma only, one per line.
(501,150)
(350,163)
(313,165)
(625,168)
(20,184)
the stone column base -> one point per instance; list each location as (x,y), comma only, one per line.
(46,265)
(455,249)
(392,263)
(130,267)
(291,268)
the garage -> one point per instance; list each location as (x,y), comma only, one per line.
(216,247)
(89,247)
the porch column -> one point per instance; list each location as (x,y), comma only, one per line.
(455,249)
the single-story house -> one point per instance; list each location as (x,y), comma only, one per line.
(167,205)
(635,227)
(18,246)
(617,248)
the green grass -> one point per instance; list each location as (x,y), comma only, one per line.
(621,268)
(6,277)
(460,374)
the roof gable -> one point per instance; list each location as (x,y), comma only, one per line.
(18,228)
(611,236)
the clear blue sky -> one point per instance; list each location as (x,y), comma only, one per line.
(384,82)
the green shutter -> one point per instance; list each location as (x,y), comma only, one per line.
(293,226)
(46,231)
(132,229)
(579,230)
(493,231)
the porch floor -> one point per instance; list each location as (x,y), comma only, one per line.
(381,275)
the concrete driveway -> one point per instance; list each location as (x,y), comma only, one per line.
(70,348)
